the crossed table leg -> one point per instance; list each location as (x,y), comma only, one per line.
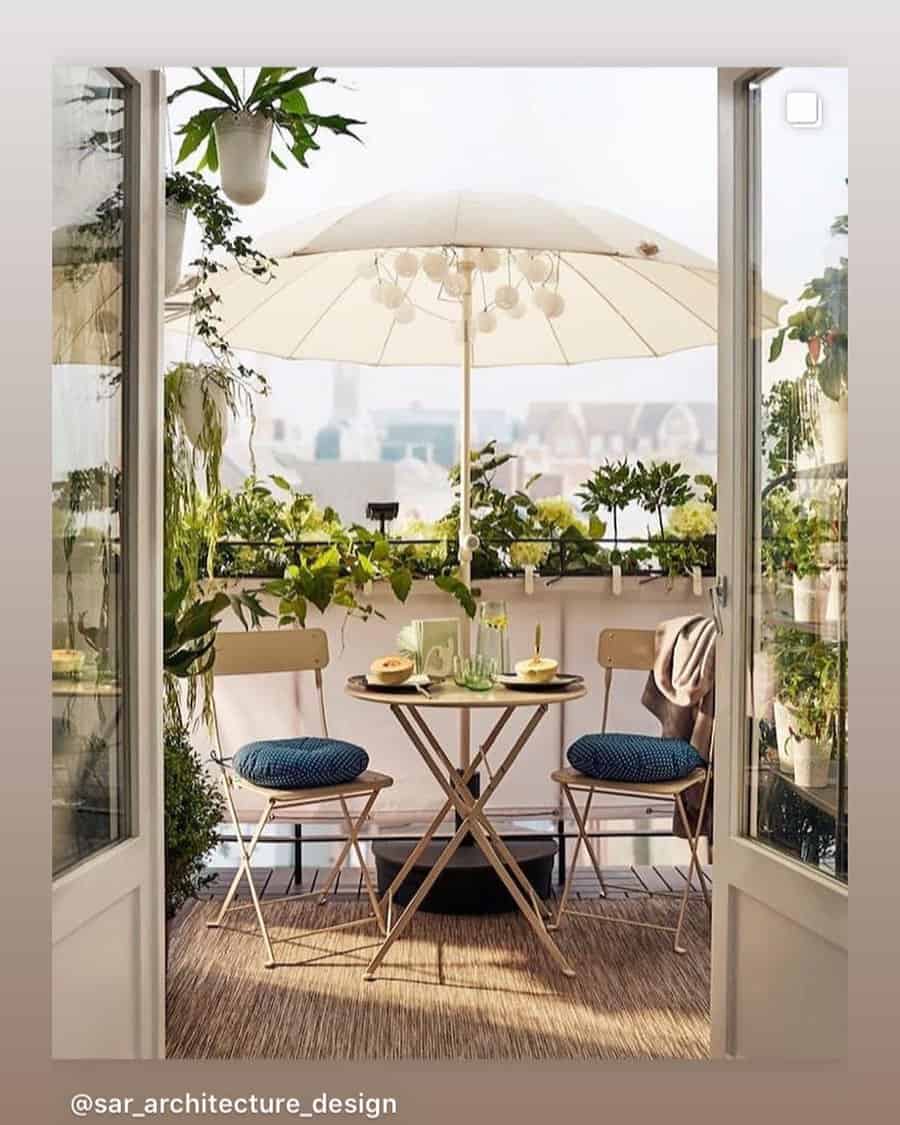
(474,821)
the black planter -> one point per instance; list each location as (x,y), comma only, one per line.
(468,884)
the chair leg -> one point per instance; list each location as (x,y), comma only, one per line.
(576,851)
(353,830)
(244,869)
(693,838)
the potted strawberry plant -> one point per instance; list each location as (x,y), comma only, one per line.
(236,132)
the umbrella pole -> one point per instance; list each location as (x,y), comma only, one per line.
(467,542)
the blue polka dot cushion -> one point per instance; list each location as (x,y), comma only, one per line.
(633,757)
(299,763)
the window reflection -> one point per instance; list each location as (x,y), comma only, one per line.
(89,797)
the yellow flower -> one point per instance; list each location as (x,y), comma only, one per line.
(556,513)
(420,529)
(528,554)
(693,520)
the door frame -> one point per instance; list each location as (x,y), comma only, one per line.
(742,865)
(136,865)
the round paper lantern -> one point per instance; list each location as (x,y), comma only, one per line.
(488,260)
(435,265)
(543,298)
(536,269)
(506,297)
(392,296)
(556,305)
(405,313)
(518,310)
(407,264)
(486,321)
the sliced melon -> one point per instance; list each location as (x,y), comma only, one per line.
(537,669)
(391,669)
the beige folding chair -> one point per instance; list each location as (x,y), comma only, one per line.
(291,650)
(630,649)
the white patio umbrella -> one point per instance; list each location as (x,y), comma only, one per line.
(470,279)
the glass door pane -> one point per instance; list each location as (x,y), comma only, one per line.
(796,766)
(89,390)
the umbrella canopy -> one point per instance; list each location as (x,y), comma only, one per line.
(626,290)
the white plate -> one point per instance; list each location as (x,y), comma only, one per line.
(413,681)
(560,680)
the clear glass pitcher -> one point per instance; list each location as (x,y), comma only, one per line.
(493,634)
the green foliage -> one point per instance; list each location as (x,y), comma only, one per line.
(611,489)
(822,324)
(808,674)
(278,93)
(660,485)
(794,533)
(193,811)
(678,557)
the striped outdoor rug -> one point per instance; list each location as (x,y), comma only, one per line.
(451,988)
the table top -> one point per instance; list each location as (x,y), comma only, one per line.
(449,694)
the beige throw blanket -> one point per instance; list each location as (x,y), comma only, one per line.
(680,692)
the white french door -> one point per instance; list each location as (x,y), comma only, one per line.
(107,895)
(779,976)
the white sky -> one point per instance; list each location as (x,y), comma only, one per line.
(638,141)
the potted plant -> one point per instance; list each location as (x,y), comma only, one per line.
(237,129)
(822,325)
(193,811)
(611,489)
(806,704)
(660,485)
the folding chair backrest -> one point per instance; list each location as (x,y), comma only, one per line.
(271,650)
(628,649)
(275,650)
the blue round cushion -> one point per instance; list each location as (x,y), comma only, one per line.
(633,757)
(299,763)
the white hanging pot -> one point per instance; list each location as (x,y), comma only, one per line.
(806,598)
(176,223)
(812,759)
(783,738)
(195,390)
(833,423)
(244,141)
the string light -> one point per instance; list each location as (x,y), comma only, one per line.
(539,276)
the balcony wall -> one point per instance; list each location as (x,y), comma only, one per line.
(572,612)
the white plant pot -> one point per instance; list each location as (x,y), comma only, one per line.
(807,597)
(192,416)
(836,602)
(812,761)
(244,141)
(176,223)
(833,423)
(765,685)
(783,737)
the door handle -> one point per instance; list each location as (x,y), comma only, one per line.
(718,597)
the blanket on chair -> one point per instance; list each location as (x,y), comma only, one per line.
(681,693)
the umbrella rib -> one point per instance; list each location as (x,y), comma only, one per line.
(656,285)
(321,316)
(614,308)
(318,259)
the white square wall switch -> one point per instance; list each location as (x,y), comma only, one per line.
(803,108)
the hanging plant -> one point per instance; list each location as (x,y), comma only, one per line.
(236,132)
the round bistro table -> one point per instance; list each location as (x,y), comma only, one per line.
(407,707)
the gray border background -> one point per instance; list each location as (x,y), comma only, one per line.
(396,32)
